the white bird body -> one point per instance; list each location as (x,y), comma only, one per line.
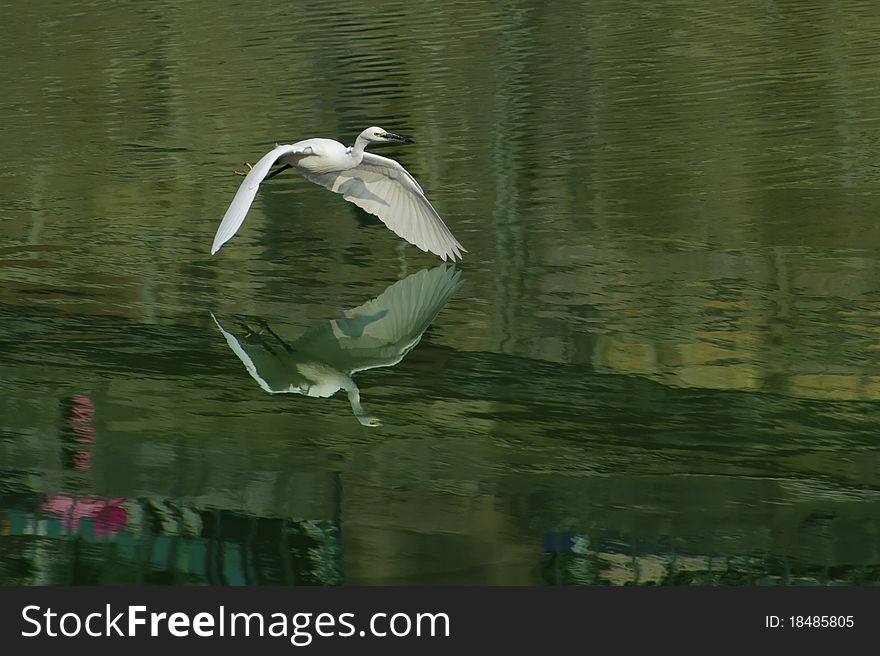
(319,156)
(376,184)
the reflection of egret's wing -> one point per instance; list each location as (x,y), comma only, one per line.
(376,334)
(275,372)
(381,331)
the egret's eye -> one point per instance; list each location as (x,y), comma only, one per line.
(378,134)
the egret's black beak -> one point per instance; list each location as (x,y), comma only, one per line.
(398,137)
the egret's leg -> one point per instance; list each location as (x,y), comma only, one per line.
(253,334)
(249,167)
(284,344)
(246,328)
(277,171)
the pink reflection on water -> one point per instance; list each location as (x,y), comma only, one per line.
(81,421)
(108,514)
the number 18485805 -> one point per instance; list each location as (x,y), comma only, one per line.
(809,621)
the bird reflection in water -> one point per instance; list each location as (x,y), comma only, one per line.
(378,333)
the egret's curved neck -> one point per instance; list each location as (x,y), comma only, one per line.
(354,399)
(359,144)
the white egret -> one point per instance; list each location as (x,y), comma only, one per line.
(378,333)
(376,184)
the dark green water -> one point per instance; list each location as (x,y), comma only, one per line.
(661,365)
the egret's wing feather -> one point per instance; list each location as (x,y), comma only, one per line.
(383,187)
(240,205)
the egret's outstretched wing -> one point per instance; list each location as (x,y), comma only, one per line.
(383,187)
(240,205)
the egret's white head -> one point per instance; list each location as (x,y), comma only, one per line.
(370,422)
(380,135)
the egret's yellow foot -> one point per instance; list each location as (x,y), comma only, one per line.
(249,167)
